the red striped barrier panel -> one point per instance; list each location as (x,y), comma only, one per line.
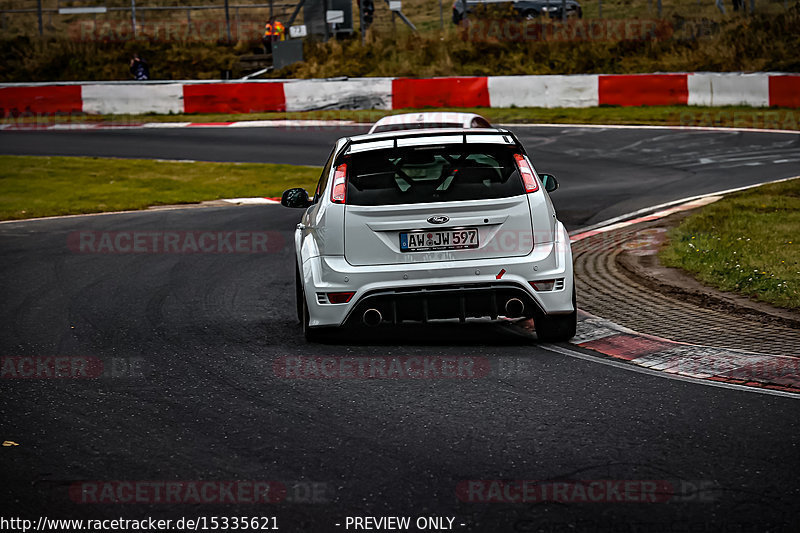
(707,89)
(233,97)
(440,92)
(47,99)
(643,89)
(784,91)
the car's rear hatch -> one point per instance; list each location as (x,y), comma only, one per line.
(435,201)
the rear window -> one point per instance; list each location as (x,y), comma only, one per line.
(416,126)
(425,174)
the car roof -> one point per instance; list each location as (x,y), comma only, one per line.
(428,116)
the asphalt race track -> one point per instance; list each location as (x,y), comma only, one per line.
(604,172)
(191,392)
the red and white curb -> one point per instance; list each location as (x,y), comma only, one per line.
(726,365)
(775,374)
(281,123)
(662,210)
(693,204)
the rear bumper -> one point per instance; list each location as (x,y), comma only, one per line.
(440,290)
(443,302)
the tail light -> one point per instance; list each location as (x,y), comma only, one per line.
(340,297)
(525,170)
(339,184)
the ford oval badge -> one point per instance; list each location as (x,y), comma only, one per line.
(438,219)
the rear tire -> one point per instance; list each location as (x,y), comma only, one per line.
(298,295)
(557,328)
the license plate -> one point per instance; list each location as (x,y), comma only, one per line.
(455,239)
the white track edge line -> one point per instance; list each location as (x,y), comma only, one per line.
(335,123)
(653,209)
(657,373)
(648,127)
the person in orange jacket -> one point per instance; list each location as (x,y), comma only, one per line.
(274,30)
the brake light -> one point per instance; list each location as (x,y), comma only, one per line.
(340,297)
(525,170)
(339,184)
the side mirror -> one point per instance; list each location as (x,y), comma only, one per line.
(296,197)
(549,181)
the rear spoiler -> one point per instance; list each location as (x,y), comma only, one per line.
(464,134)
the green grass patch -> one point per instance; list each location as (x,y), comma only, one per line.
(728,116)
(748,243)
(47,186)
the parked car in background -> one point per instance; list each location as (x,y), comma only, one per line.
(418,121)
(527,9)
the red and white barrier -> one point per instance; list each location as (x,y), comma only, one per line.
(358,93)
(440,92)
(130,99)
(543,91)
(729,89)
(708,89)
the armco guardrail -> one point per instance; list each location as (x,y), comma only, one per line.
(710,89)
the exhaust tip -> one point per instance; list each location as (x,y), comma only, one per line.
(372,317)
(514,308)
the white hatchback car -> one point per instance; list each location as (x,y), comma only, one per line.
(429,120)
(448,224)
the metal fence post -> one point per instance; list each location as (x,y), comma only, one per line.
(39,8)
(133,17)
(361,22)
(324,19)
(228,21)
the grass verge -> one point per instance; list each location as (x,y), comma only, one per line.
(47,186)
(728,116)
(748,243)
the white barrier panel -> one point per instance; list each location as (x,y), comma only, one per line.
(133,98)
(543,91)
(712,89)
(359,93)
